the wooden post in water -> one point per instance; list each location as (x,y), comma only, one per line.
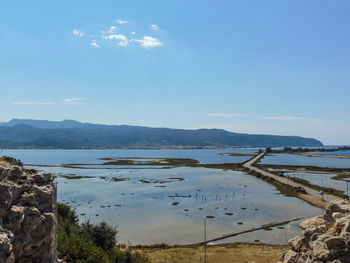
(205,240)
(205,237)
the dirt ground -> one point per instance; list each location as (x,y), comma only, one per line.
(314,200)
(232,253)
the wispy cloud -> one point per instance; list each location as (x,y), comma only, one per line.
(72,101)
(148,42)
(122,40)
(94,44)
(227,115)
(263,117)
(67,101)
(76,32)
(119,21)
(154,27)
(32,103)
(282,118)
(133,33)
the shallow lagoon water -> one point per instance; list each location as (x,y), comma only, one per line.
(58,157)
(320,179)
(294,159)
(173,211)
(169,205)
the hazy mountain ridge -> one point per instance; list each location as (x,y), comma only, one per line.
(72,134)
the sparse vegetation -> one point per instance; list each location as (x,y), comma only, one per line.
(293,150)
(237,154)
(156,161)
(74,177)
(341,176)
(304,182)
(327,190)
(11,160)
(314,152)
(302,168)
(224,166)
(238,253)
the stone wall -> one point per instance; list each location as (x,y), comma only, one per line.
(27,214)
(324,239)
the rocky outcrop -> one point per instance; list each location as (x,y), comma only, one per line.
(324,239)
(27,214)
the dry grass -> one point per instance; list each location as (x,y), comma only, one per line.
(238,253)
(313,200)
(4,164)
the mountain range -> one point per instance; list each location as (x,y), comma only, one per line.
(70,134)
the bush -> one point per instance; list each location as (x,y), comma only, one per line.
(119,256)
(103,235)
(67,219)
(88,242)
(66,214)
(77,248)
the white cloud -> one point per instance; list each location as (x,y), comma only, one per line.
(148,42)
(94,44)
(133,33)
(122,21)
(72,101)
(154,27)
(111,30)
(32,103)
(77,33)
(122,40)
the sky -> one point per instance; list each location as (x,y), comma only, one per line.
(252,66)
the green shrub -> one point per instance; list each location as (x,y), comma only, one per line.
(118,256)
(88,242)
(67,219)
(66,213)
(77,248)
(103,235)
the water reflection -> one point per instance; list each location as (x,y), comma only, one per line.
(149,208)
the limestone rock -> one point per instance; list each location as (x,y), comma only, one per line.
(314,221)
(27,215)
(324,239)
(296,243)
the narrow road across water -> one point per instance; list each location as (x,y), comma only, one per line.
(250,165)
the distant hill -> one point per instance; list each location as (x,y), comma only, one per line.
(70,134)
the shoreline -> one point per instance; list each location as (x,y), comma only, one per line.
(324,155)
(168,147)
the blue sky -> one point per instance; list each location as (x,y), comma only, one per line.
(275,67)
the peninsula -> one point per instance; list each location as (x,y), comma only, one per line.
(69,134)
